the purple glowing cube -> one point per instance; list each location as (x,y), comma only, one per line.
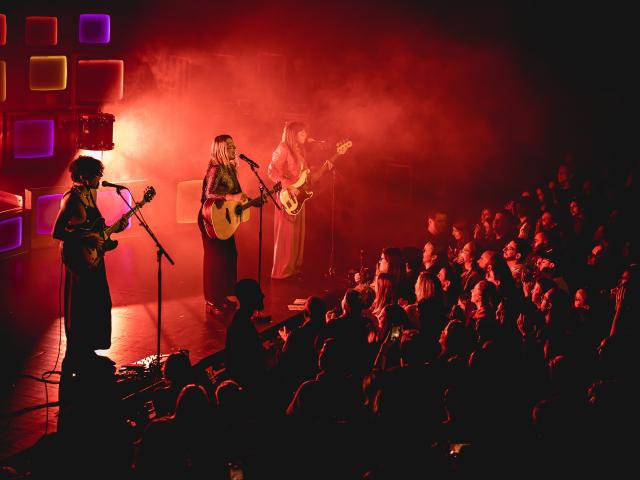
(45,213)
(32,138)
(94,28)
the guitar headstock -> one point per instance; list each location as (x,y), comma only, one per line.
(149,193)
(342,146)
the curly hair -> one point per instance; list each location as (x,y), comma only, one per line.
(85,167)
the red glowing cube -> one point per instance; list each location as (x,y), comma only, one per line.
(3,81)
(3,29)
(100,81)
(41,31)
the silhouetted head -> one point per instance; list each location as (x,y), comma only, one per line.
(249,294)
(84,168)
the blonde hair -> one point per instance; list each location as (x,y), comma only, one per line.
(219,150)
(384,293)
(427,286)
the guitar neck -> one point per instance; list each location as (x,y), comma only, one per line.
(256,201)
(325,166)
(108,231)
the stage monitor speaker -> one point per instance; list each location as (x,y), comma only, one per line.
(94,28)
(41,31)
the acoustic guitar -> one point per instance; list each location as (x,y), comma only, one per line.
(293,203)
(223,217)
(80,258)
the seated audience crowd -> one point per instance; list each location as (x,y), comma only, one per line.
(507,351)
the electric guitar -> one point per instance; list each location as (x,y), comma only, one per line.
(293,203)
(80,258)
(222,218)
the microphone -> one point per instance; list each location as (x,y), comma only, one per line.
(113,185)
(249,161)
(313,140)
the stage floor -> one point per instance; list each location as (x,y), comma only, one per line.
(32,340)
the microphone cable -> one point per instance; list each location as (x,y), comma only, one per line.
(45,376)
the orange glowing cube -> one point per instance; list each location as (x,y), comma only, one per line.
(48,73)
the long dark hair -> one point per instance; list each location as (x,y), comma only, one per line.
(289,134)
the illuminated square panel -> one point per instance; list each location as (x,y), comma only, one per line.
(188,198)
(3,29)
(45,212)
(33,138)
(94,28)
(41,31)
(112,207)
(3,81)
(43,204)
(10,234)
(110,204)
(100,80)
(47,73)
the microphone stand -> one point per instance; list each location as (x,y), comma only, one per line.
(263,188)
(159,254)
(331,271)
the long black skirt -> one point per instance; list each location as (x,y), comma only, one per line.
(219,267)
(87,310)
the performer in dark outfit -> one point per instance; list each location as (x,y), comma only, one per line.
(87,301)
(220,256)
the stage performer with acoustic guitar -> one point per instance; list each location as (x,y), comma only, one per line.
(87,301)
(220,185)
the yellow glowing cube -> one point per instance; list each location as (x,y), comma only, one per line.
(47,73)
